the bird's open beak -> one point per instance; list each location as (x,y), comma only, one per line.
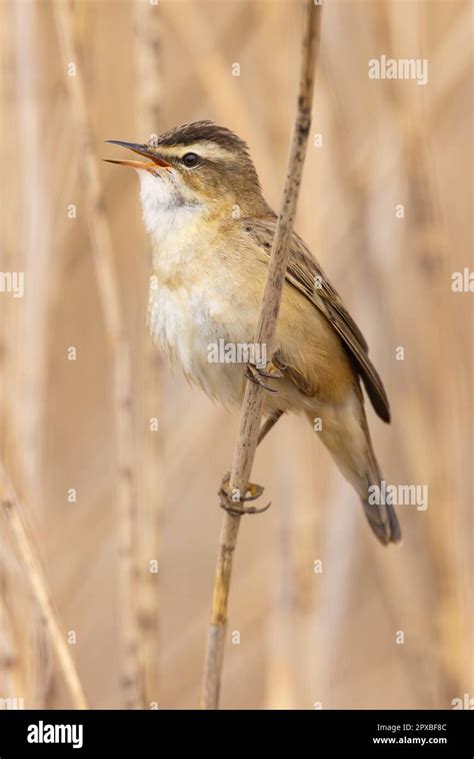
(143,150)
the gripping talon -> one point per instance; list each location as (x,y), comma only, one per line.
(254,490)
(273,372)
(277,361)
(255,375)
(227,503)
(244,511)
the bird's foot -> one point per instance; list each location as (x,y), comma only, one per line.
(231,500)
(272,370)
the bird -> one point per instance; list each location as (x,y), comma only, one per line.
(211,231)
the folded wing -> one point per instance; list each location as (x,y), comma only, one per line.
(305,274)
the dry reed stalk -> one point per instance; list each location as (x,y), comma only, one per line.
(26,248)
(427,245)
(148,53)
(279,669)
(25,544)
(34,234)
(392,577)
(10,665)
(265,334)
(8,648)
(293,605)
(211,70)
(427,242)
(108,287)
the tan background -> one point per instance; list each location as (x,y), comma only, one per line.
(304,637)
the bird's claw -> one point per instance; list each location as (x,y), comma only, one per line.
(256,374)
(231,504)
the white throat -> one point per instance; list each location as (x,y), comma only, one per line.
(166,214)
(168,217)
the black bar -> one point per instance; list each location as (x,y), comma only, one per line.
(319,733)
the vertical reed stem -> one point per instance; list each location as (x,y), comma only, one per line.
(266,330)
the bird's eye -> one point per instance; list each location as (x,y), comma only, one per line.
(190,160)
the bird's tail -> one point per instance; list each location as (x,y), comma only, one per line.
(381,516)
(346,435)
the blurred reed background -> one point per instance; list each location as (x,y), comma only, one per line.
(72,225)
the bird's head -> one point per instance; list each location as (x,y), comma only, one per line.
(198,166)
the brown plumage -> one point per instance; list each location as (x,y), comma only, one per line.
(325,372)
(212,232)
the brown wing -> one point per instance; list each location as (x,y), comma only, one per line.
(305,274)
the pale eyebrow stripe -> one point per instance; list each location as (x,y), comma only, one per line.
(203,149)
